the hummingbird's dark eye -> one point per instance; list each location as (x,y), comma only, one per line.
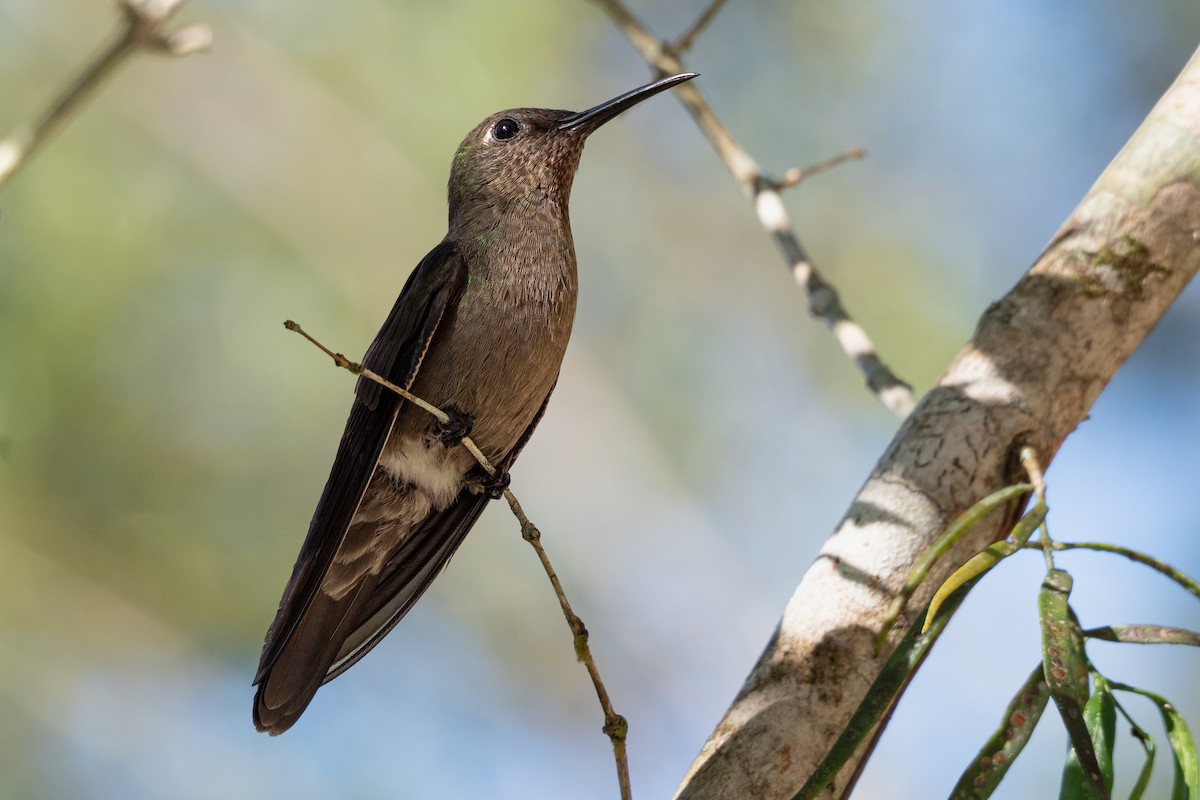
(506,129)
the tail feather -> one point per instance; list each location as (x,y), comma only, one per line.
(421,557)
(288,686)
(347,617)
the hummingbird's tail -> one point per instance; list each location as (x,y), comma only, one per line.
(288,685)
(346,618)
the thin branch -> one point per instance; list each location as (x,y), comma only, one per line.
(823,300)
(141,30)
(795,175)
(685,42)
(615,725)
(1033,468)
(1179,577)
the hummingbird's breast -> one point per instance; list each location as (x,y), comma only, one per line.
(497,353)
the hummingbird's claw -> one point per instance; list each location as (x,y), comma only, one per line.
(458,427)
(493,485)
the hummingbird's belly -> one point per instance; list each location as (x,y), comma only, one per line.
(429,466)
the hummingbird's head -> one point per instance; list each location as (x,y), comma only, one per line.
(525,157)
(515,156)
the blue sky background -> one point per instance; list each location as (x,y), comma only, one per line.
(166,439)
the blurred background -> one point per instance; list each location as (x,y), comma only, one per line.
(163,440)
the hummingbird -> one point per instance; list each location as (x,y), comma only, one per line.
(479,330)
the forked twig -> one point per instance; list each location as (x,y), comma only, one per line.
(615,725)
(141,30)
(689,37)
(795,175)
(823,300)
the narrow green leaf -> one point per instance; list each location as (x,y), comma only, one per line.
(1134,555)
(980,779)
(1144,634)
(1100,716)
(976,565)
(956,530)
(989,557)
(1066,671)
(1029,523)
(1139,788)
(895,674)
(1147,743)
(1183,746)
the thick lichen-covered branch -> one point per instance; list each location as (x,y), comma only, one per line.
(1040,357)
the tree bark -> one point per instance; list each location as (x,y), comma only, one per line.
(1040,357)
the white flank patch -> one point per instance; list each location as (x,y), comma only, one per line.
(424,467)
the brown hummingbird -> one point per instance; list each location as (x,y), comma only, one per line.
(479,330)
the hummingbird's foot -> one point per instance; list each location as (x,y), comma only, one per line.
(454,430)
(492,485)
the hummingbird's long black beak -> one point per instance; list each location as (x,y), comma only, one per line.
(598,115)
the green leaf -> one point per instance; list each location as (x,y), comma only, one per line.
(1183,746)
(1139,788)
(1134,555)
(975,566)
(1065,667)
(1147,743)
(1100,717)
(989,557)
(1144,634)
(980,779)
(957,529)
(897,671)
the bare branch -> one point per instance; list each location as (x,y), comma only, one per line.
(1033,468)
(823,300)
(795,175)
(615,726)
(689,37)
(141,30)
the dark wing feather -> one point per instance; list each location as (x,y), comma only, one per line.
(435,285)
(421,558)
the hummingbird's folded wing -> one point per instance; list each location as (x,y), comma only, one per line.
(421,557)
(433,287)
